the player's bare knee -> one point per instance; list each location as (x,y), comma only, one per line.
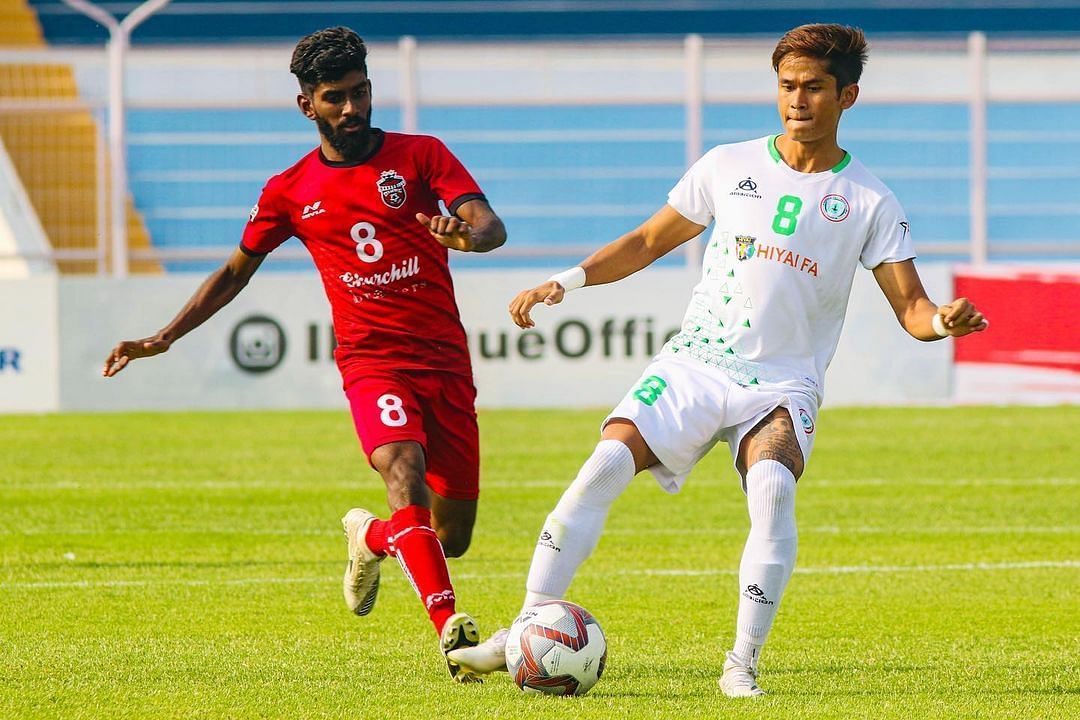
(402,468)
(455,539)
(789,457)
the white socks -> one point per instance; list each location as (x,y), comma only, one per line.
(573,528)
(769,555)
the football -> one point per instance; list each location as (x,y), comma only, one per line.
(556,648)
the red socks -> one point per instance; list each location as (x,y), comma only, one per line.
(409,537)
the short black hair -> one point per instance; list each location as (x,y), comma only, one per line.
(327,56)
(842,47)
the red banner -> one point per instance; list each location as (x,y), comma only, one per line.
(1034,318)
(1031,351)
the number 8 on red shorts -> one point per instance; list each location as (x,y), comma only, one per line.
(435,409)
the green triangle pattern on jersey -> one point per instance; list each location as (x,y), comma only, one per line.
(739,370)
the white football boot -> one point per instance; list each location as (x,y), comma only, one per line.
(361,583)
(738,680)
(459,632)
(487,657)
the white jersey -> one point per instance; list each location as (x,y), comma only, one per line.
(779,264)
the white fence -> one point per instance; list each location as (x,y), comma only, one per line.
(695,74)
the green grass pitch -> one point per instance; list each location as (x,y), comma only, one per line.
(188,566)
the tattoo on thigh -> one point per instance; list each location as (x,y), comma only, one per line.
(774,439)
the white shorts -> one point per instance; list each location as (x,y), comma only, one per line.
(682,408)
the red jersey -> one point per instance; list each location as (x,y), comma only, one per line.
(386,277)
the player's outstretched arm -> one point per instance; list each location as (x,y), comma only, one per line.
(663,232)
(473,228)
(215,293)
(921,318)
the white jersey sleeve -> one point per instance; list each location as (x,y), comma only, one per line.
(693,195)
(889,239)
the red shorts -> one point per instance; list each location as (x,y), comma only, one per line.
(435,409)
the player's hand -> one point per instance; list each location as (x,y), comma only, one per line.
(961,317)
(549,293)
(129,350)
(450,231)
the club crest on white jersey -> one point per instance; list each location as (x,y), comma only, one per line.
(835,207)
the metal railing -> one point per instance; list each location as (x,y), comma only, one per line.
(705,82)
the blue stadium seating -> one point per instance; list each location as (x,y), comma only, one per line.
(194,174)
(559,191)
(195,21)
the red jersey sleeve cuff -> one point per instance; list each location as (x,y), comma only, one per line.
(251,253)
(462,199)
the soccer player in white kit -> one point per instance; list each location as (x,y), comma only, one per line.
(792,215)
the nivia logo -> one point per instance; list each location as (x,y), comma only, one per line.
(753,592)
(312,210)
(746,188)
(10,360)
(257,344)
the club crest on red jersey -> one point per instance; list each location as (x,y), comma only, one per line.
(392,188)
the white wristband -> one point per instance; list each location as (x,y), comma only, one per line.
(939,326)
(570,279)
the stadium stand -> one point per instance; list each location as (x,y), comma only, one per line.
(569,175)
(53,145)
(205,21)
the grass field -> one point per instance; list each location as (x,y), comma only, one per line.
(188,565)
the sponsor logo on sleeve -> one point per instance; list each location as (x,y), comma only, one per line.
(392,188)
(254,212)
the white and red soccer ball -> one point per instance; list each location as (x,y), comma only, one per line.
(556,648)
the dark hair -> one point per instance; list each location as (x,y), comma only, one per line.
(842,47)
(327,56)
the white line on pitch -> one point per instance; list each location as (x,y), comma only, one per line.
(697,481)
(696,531)
(649,572)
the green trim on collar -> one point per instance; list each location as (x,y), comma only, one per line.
(778,159)
(773,151)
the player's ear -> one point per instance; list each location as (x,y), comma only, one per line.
(848,96)
(304,103)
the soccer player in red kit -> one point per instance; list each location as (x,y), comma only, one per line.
(365,203)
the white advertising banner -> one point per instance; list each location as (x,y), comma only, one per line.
(271,347)
(28,344)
